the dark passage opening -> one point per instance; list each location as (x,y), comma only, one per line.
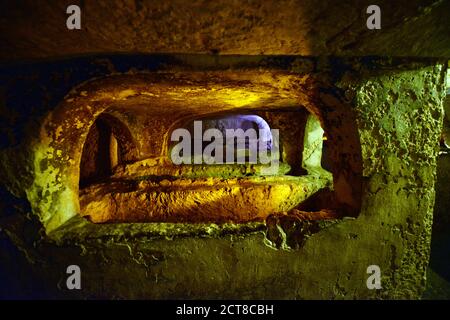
(108,144)
(97,150)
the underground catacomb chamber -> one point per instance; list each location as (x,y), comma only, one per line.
(215,178)
(103,167)
(203,148)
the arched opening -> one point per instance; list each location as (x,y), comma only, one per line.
(227,139)
(146,186)
(108,144)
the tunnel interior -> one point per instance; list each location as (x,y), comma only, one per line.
(216,167)
(224,149)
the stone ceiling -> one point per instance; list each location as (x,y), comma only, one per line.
(33,29)
(165,94)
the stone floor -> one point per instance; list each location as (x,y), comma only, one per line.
(197,200)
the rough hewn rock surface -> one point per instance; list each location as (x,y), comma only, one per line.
(37,29)
(394,107)
(216,200)
(382,118)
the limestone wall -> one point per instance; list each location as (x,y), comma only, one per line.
(383,115)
